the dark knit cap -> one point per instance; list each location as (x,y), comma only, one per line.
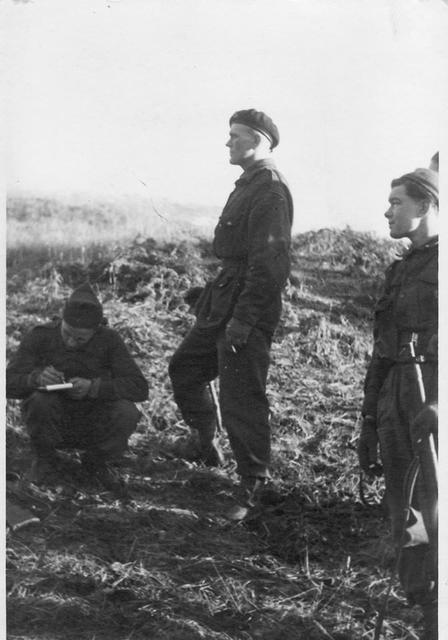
(259,121)
(83,310)
(426,179)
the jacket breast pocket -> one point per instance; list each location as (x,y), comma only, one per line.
(231,235)
(384,309)
(428,298)
(417,301)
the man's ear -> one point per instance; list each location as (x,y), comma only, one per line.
(257,138)
(424,207)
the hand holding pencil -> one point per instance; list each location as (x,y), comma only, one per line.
(49,376)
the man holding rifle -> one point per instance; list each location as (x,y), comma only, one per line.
(400,403)
(78,383)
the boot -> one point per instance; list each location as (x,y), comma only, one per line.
(430,621)
(99,469)
(211,454)
(44,469)
(246,497)
(200,446)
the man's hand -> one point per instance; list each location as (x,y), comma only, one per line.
(425,423)
(368,448)
(49,375)
(237,333)
(81,387)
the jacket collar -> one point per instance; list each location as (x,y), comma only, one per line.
(255,168)
(434,242)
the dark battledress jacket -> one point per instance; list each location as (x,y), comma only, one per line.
(408,308)
(252,239)
(407,311)
(105,359)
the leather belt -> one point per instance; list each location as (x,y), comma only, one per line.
(405,356)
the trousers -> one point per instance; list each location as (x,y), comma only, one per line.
(200,358)
(54,422)
(398,404)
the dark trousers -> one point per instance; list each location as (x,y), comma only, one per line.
(57,422)
(398,404)
(201,357)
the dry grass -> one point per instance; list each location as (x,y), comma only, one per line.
(164,563)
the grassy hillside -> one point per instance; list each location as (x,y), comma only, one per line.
(163,563)
(42,229)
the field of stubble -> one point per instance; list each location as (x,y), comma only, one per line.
(163,563)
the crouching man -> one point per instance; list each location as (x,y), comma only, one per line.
(97,415)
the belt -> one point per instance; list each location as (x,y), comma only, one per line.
(419,359)
(405,355)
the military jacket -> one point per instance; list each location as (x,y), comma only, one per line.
(252,238)
(407,310)
(104,359)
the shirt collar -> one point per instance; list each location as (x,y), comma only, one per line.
(250,173)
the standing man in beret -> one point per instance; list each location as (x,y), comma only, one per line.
(98,414)
(239,310)
(398,413)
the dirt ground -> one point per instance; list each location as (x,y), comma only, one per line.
(312,561)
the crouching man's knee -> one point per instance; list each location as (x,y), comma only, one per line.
(124,416)
(117,422)
(43,414)
(42,405)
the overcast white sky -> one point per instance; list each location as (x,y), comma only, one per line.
(102,95)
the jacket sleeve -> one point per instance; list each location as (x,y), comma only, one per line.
(269,239)
(376,375)
(384,340)
(126,380)
(23,369)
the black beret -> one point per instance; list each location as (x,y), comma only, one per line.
(259,121)
(83,310)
